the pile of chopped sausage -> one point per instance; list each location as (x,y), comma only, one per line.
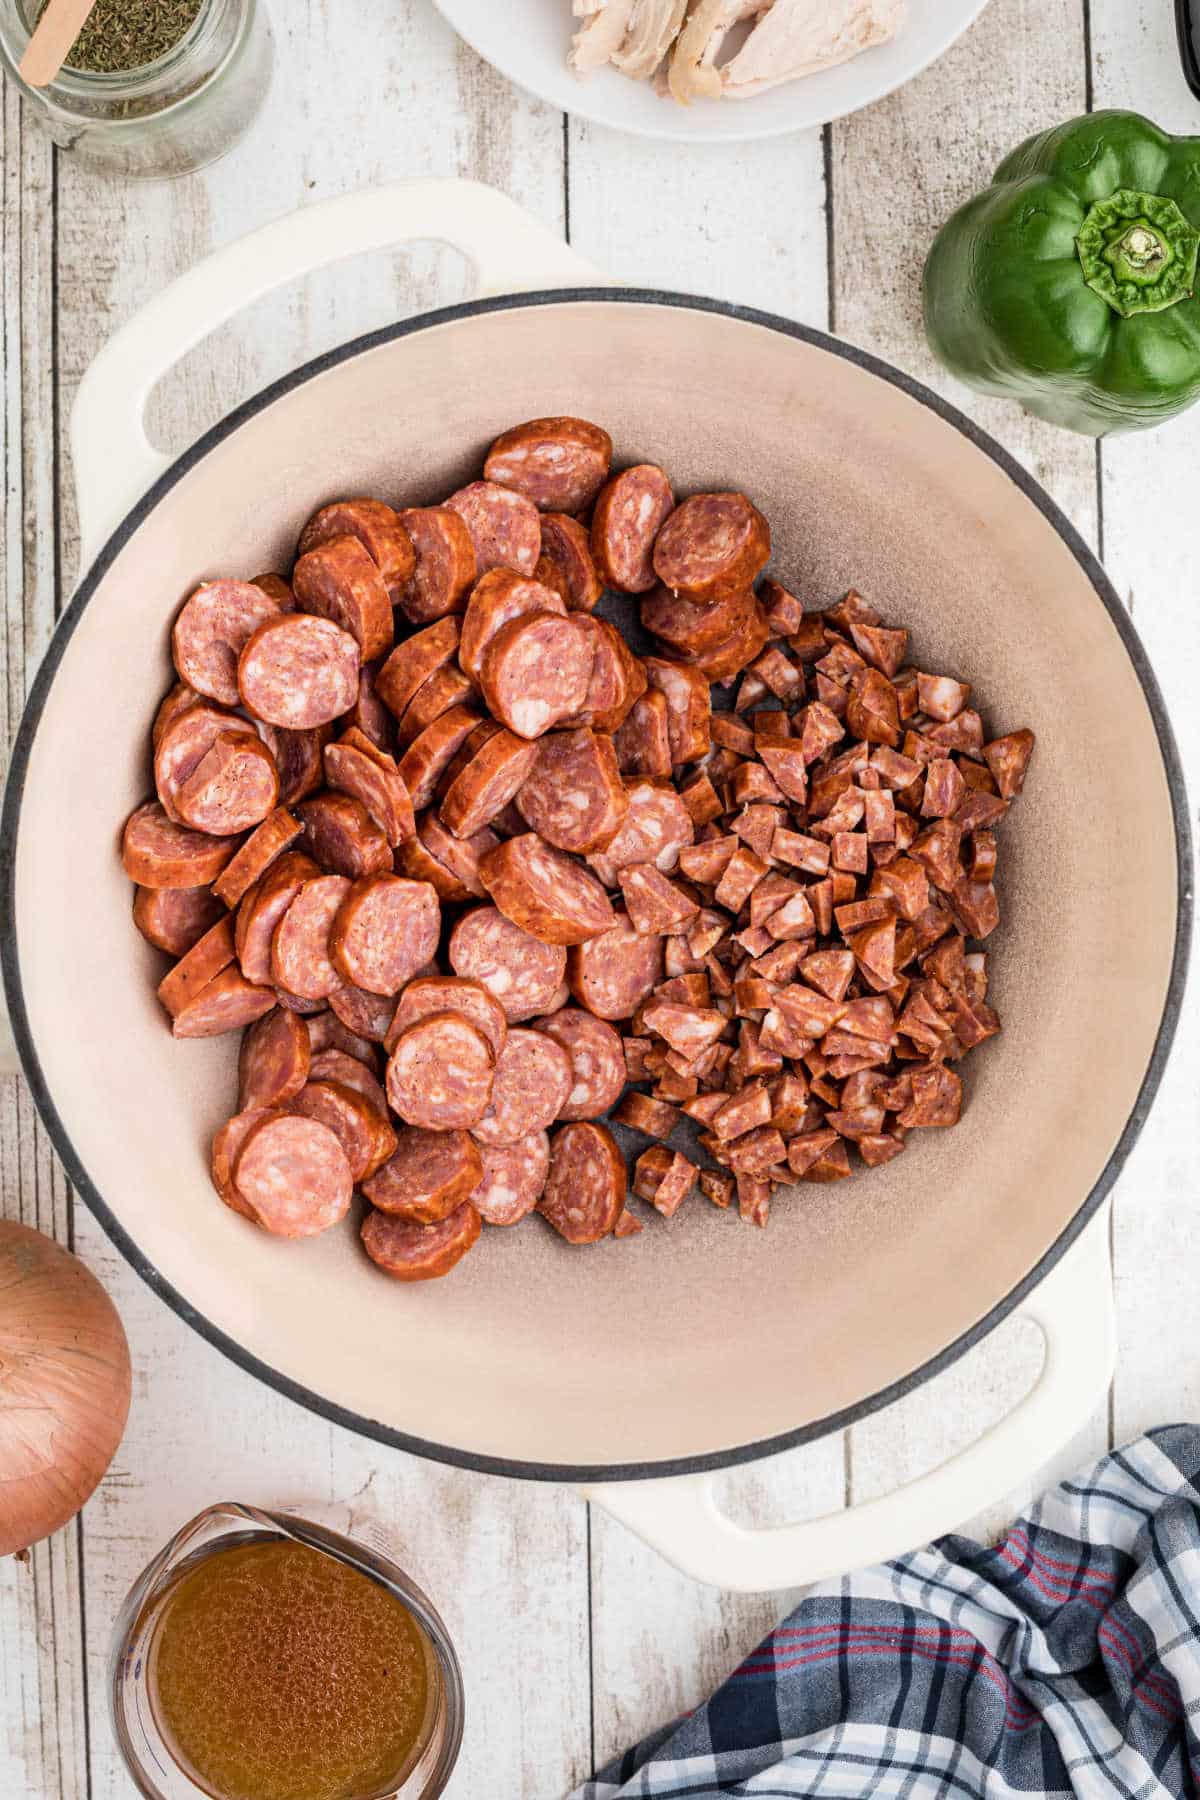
(422,803)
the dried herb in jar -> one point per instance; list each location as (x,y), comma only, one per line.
(127,34)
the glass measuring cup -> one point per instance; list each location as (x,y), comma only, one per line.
(142,1741)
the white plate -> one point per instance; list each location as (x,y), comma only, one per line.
(528,40)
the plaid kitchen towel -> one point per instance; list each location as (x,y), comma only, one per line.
(1064,1661)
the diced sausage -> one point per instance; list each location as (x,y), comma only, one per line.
(156,852)
(504,527)
(360,1128)
(532,1082)
(342,837)
(485,783)
(629,514)
(173,919)
(293,1175)
(653,1118)
(232,788)
(430,753)
(263,907)
(299,671)
(273,1061)
(711,546)
(276,833)
(545,892)
(385,929)
(574,797)
(412,662)
(597,1061)
(297,759)
(513,1178)
(300,955)
(693,628)
(496,600)
(566,565)
(446,690)
(445,563)
(688,707)
(356,766)
(339,580)
(1008,759)
(428,1175)
(559,464)
(410,1252)
(655,905)
(665,1178)
(449,993)
(440,1074)
(585,1188)
(183,745)
(377,529)
(612,974)
(536,671)
(518,970)
(655,829)
(211,632)
(448,863)
(227,1003)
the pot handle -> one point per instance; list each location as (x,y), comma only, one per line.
(1074,1309)
(115,461)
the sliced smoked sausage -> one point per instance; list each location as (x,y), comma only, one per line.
(263,907)
(274,1060)
(276,833)
(585,1188)
(496,600)
(300,959)
(341,835)
(566,564)
(504,527)
(597,1061)
(411,1252)
(293,1175)
(560,464)
(173,919)
(612,974)
(299,671)
(212,631)
(184,743)
(233,787)
(339,580)
(439,1076)
(513,1178)
(377,529)
(386,928)
(433,750)
(536,672)
(359,1127)
(693,627)
(445,563)
(711,546)
(428,1175)
(356,766)
(519,971)
(449,993)
(228,1003)
(544,892)
(628,515)
(297,759)
(480,786)
(655,829)
(412,662)
(532,1081)
(574,797)
(157,852)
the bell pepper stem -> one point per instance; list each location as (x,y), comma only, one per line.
(1138,252)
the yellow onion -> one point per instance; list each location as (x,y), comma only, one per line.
(64,1385)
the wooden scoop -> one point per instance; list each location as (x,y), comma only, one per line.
(53,36)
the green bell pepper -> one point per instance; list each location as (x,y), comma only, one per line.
(1069,283)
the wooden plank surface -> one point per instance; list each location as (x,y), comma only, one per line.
(574,1637)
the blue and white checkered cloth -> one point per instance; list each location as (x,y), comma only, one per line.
(1064,1661)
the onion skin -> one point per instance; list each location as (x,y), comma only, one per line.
(64,1385)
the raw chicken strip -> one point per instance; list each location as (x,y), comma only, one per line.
(798,37)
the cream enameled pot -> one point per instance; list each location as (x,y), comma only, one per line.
(634,1368)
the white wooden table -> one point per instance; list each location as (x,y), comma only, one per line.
(574,1638)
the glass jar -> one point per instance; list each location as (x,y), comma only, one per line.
(155,1772)
(169,116)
